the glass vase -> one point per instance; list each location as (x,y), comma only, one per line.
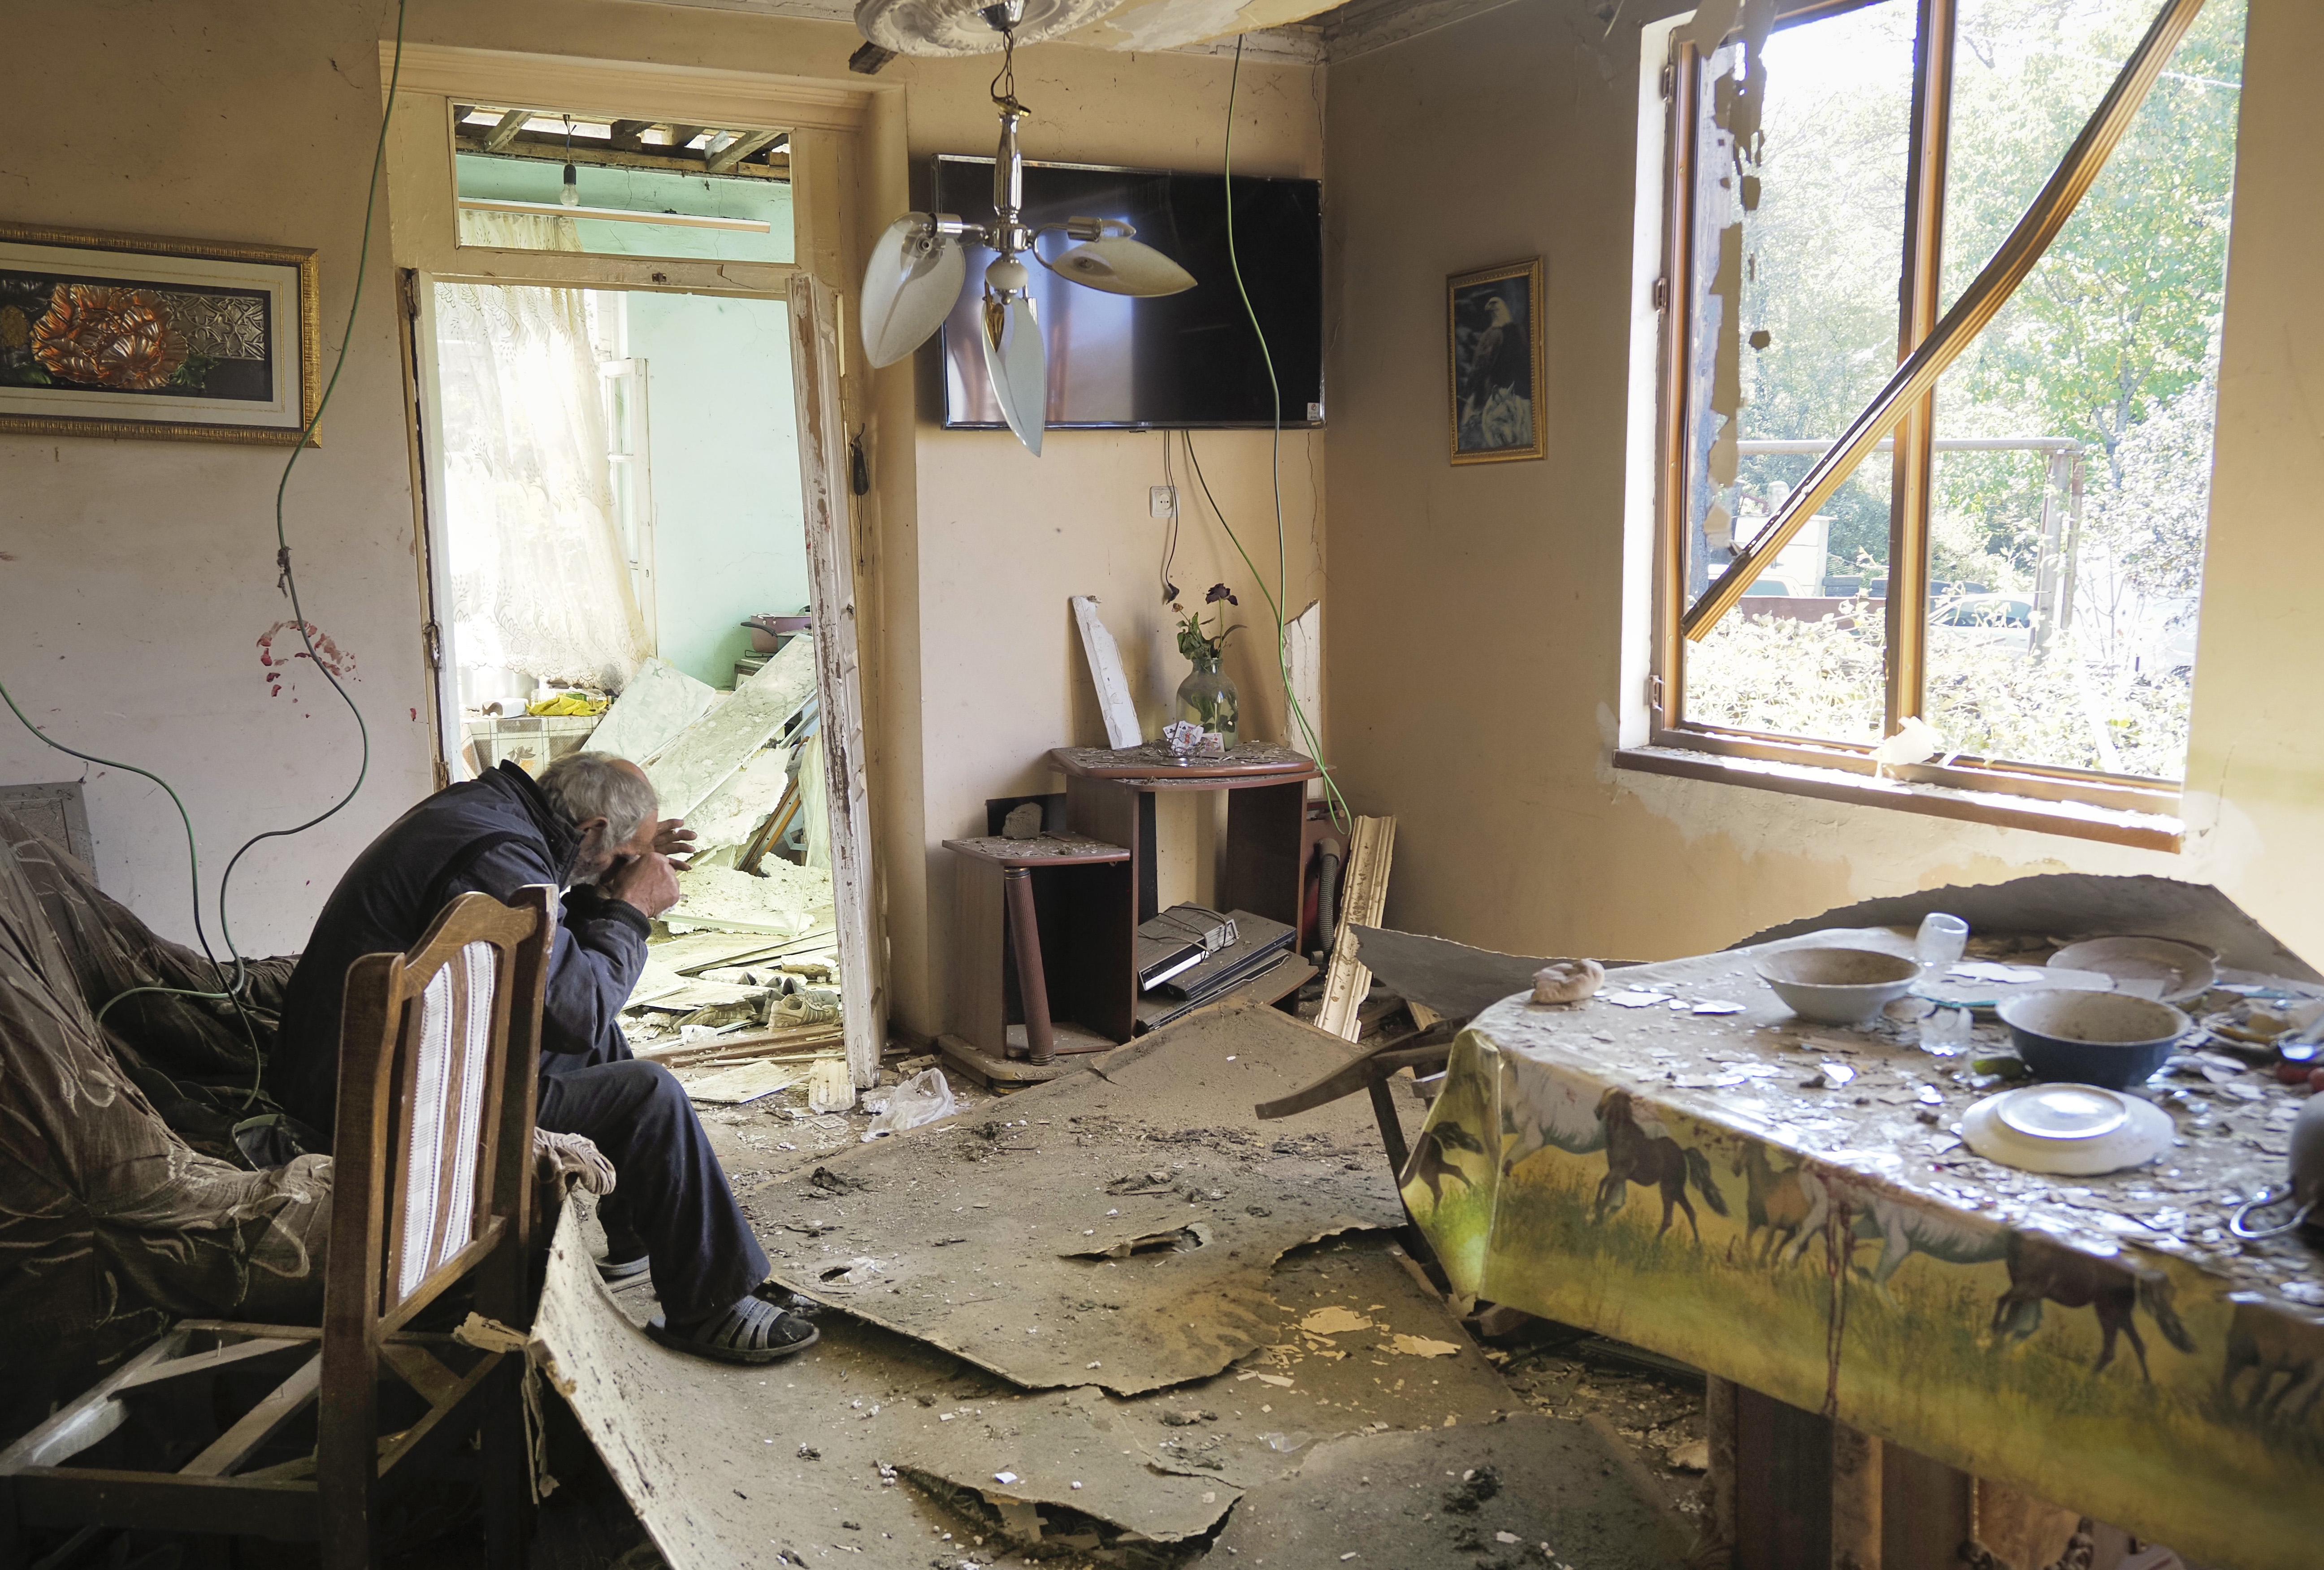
(1208,699)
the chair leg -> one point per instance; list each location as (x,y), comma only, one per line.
(507,1474)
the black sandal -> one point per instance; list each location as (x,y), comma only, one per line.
(750,1330)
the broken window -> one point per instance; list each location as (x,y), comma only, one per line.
(2025,578)
(621,188)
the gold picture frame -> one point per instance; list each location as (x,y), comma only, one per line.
(1493,354)
(157,338)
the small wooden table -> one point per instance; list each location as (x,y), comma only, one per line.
(1077,892)
(1110,794)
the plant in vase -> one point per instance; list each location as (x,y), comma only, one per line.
(1206,697)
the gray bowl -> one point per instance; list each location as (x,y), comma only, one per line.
(1837,986)
(2093,1038)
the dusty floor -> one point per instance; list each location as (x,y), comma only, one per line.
(1608,1416)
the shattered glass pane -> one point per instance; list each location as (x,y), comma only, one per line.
(1798,240)
(2067,543)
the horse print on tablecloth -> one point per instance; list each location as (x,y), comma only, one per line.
(2042,1270)
(1635,1155)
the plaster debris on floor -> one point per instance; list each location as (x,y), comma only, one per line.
(1115,1319)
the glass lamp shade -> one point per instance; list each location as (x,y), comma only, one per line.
(1019,364)
(910,286)
(1119,266)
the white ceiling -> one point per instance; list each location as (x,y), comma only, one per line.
(1301,31)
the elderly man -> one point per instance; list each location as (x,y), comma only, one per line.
(587,826)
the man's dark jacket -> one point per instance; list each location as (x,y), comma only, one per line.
(497,834)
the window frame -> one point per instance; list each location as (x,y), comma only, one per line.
(2126,809)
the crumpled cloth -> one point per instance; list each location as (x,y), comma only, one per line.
(111,1224)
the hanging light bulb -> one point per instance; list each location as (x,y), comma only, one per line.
(918,267)
(570,195)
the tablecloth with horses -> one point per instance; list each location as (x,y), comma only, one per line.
(1681,1163)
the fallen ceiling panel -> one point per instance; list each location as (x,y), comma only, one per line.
(1454,980)
(714,1458)
(1532,1490)
(1115,1227)
(1367,1348)
(710,1456)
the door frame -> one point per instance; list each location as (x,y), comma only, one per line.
(829,123)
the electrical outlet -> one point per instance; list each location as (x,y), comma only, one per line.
(1162,500)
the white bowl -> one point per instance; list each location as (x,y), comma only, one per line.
(2066,1130)
(1837,986)
(2184,972)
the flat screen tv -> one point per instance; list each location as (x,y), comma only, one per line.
(1184,360)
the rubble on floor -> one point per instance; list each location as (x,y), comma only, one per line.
(1146,1187)
(1216,1401)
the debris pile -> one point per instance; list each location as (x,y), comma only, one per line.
(746,964)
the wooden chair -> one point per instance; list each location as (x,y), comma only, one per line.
(432,1183)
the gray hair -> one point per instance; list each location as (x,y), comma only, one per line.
(597,785)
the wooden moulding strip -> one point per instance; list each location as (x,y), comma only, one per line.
(1363,898)
(809,1041)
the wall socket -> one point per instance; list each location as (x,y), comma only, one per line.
(1162,500)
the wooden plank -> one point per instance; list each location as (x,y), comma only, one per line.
(1364,895)
(75,1496)
(713,748)
(76,1428)
(696,952)
(455,1419)
(420,1369)
(260,1424)
(203,1361)
(736,1087)
(1104,655)
(831,573)
(756,1043)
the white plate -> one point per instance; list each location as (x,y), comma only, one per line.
(2184,972)
(2066,1130)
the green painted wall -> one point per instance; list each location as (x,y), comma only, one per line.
(729,538)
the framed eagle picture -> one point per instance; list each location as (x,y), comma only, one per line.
(137,335)
(1494,351)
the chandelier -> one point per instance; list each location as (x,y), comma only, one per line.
(918,267)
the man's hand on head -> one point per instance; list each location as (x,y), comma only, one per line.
(647,882)
(671,837)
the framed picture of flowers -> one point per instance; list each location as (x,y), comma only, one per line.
(135,336)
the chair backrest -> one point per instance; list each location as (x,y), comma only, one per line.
(438,1050)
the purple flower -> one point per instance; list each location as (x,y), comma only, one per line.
(1220,592)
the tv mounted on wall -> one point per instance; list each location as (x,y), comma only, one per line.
(1189,359)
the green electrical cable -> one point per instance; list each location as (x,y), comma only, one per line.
(1342,816)
(290,580)
(194,867)
(231,992)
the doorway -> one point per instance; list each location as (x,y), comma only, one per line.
(618,556)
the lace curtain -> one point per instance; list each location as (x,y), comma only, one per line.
(540,576)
